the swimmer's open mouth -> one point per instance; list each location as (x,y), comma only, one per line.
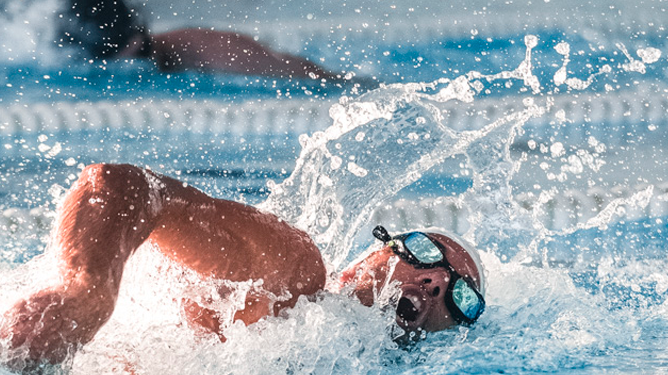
(406,310)
(413,307)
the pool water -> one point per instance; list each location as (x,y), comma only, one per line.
(536,131)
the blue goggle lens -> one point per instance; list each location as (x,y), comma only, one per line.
(466,299)
(422,248)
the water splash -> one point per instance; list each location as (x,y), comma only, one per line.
(525,70)
(561,76)
(387,139)
(648,56)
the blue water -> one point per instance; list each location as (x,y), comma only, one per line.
(412,61)
(588,299)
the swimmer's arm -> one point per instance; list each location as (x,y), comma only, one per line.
(208,320)
(102,220)
(210,50)
(110,211)
(233,241)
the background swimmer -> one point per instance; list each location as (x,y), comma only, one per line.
(102,29)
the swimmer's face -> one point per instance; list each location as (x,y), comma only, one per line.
(421,303)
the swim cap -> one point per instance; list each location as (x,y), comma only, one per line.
(463,256)
(98,28)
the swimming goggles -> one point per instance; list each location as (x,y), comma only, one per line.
(418,249)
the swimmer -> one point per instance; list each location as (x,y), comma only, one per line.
(103,29)
(111,210)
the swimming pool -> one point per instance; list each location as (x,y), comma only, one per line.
(567,198)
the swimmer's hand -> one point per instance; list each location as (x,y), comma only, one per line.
(50,325)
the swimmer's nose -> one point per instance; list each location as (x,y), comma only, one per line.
(435,286)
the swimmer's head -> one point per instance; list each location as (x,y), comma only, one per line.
(99,29)
(438,279)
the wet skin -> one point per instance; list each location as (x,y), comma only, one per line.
(422,291)
(219,51)
(111,210)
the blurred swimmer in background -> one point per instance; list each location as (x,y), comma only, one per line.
(435,281)
(105,29)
